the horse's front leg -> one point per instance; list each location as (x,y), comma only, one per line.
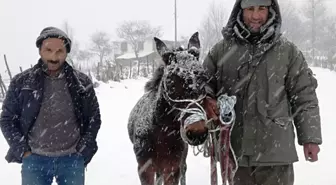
(183,180)
(184,165)
(171,171)
(158,179)
(146,171)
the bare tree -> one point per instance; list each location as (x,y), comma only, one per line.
(84,57)
(316,13)
(136,33)
(75,45)
(212,24)
(329,44)
(101,47)
(293,27)
(2,88)
(7,66)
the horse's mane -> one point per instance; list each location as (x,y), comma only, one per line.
(154,82)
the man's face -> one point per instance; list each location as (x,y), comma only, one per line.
(53,53)
(254,17)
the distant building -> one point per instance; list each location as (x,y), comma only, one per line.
(124,53)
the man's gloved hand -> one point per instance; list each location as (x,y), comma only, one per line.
(310,151)
(210,106)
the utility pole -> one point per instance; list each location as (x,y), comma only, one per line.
(175,14)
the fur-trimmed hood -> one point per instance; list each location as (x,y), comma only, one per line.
(272,28)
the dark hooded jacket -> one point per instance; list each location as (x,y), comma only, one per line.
(275,91)
(23,101)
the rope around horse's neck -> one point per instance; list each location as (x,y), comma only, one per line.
(227,115)
(197,114)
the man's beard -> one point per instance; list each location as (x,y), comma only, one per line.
(254,30)
(52,65)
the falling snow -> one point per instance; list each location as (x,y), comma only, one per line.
(115,163)
(186,67)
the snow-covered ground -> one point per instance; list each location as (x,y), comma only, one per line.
(114,163)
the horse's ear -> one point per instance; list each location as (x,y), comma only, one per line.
(160,46)
(194,41)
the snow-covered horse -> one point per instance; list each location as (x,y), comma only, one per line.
(176,89)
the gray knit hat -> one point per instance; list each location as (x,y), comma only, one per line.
(249,3)
(52,32)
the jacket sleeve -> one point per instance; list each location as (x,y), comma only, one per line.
(210,66)
(9,121)
(301,89)
(87,146)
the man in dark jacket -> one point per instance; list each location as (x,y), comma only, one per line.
(275,92)
(50,116)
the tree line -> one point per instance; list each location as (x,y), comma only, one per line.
(310,27)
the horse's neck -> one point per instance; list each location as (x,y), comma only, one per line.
(164,110)
(165,114)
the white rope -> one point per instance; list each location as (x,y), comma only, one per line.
(194,117)
(227,116)
(226,109)
(197,114)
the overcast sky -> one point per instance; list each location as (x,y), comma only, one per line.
(22,20)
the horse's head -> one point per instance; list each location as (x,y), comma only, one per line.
(183,82)
(184,76)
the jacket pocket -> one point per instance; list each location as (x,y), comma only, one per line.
(278,109)
(26,95)
(277,141)
(276,132)
(280,134)
(87,150)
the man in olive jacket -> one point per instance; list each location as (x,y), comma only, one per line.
(275,92)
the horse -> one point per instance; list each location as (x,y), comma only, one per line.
(157,120)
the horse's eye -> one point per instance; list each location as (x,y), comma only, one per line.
(194,52)
(166,57)
(190,81)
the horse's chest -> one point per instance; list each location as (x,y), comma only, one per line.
(166,134)
(167,140)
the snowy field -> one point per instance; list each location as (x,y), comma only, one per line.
(114,162)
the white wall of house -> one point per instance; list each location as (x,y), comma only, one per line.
(148,46)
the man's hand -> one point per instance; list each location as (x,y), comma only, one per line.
(198,127)
(26,154)
(211,108)
(310,151)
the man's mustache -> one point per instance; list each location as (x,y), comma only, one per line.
(53,61)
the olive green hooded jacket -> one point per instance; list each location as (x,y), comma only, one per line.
(275,90)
